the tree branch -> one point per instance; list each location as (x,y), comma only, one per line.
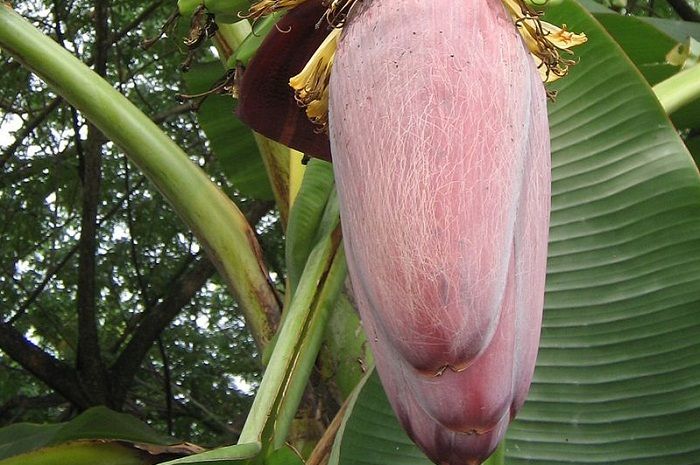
(15,408)
(192,408)
(148,11)
(89,357)
(56,374)
(154,322)
(58,266)
(176,110)
(38,164)
(132,243)
(158,317)
(42,285)
(167,385)
(75,120)
(685,10)
(26,130)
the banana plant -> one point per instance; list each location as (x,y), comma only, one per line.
(617,375)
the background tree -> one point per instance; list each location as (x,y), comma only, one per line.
(95,264)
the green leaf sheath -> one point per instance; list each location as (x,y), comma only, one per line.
(298,344)
(291,363)
(296,347)
(239,453)
(302,331)
(305,219)
(216,221)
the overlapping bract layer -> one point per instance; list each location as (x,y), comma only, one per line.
(441,152)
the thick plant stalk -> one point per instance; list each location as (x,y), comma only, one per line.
(440,144)
(679,90)
(217,222)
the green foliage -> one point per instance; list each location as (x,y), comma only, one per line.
(96,423)
(230,140)
(372,434)
(643,43)
(97,435)
(84,453)
(306,216)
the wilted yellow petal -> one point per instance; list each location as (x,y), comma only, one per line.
(544,40)
(561,37)
(311,84)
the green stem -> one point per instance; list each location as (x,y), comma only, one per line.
(679,90)
(308,347)
(213,217)
(297,347)
(300,337)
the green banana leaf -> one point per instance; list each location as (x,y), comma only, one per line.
(643,43)
(84,453)
(618,373)
(371,434)
(231,141)
(647,41)
(97,434)
(678,30)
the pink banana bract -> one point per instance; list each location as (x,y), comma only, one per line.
(440,142)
